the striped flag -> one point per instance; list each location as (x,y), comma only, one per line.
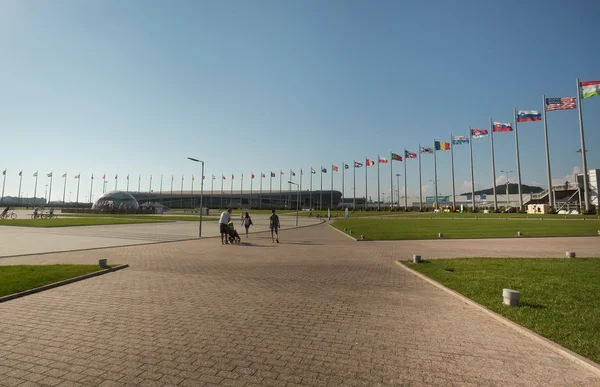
(312,170)
(442,145)
(252,175)
(324,170)
(590,89)
(502,127)
(560,103)
(396,157)
(369,163)
(4,172)
(457,140)
(410,155)
(262,175)
(382,160)
(357,164)
(479,133)
(76,177)
(528,115)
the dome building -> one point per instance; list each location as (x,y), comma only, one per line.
(116,200)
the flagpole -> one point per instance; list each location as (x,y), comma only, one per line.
(171,198)
(452,166)
(354,188)
(366,185)
(91,186)
(116,181)
(161,179)
(420,183)
(3,184)
(241,189)
(321,192)
(548,172)
(586,194)
(192,196)
(260,196)
(231,192)
(250,199)
(518,163)
(78,182)
(50,189)
(280,193)
(290,190)
(222,192)
(310,198)
(139,182)
(35,188)
(150,185)
(271,189)
(104,183)
(181,190)
(435,187)
(378,187)
(472,174)
(127,182)
(301,177)
(493,165)
(331,191)
(343,167)
(21,180)
(405,189)
(392,183)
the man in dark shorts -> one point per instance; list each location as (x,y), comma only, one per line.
(274,226)
(223,228)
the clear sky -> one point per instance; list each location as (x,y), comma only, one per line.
(134,87)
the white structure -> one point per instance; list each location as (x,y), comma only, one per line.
(594,179)
(538,208)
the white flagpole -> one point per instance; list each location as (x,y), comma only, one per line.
(548,172)
(231,193)
(310,199)
(331,191)
(160,189)
(452,165)
(222,192)
(435,187)
(472,174)
(150,184)
(378,187)
(343,168)
(354,188)
(366,185)
(181,190)
(116,181)
(260,196)
(35,188)
(493,165)
(301,177)
(192,196)
(420,183)
(586,194)
(321,197)
(65,188)
(91,186)
(139,182)
(392,182)
(250,199)
(3,184)
(50,189)
(78,182)
(518,163)
(21,180)
(405,189)
(127,182)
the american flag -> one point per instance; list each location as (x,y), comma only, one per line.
(409,154)
(560,103)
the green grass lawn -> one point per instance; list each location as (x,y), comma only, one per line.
(559,297)
(179,218)
(74,221)
(378,229)
(14,279)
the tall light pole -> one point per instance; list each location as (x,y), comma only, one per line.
(507,193)
(201,193)
(297,199)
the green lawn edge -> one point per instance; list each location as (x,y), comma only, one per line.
(73,222)
(559,297)
(19,278)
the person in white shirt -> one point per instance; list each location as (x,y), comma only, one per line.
(223,221)
(246,222)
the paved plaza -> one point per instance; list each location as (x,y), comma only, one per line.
(316,310)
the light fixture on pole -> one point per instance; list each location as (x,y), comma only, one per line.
(507,187)
(201,193)
(297,199)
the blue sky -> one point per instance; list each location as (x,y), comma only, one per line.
(248,86)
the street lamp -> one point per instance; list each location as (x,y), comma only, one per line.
(201,193)
(507,192)
(297,199)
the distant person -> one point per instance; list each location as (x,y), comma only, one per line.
(246,222)
(5,211)
(51,211)
(35,212)
(274,226)
(223,228)
(567,184)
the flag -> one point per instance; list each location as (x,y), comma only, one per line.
(49,175)
(324,170)
(457,140)
(65,175)
(203,177)
(272,174)
(346,166)
(223,176)
(35,174)
(293,173)
(242,175)
(116,176)
(410,155)
(502,127)
(590,89)
(370,163)
(127,176)
(281,172)
(425,149)
(334,168)
(357,164)
(528,115)
(396,157)
(104,177)
(560,103)
(442,145)
(252,175)
(262,175)
(213,177)
(312,170)
(382,160)
(232,176)
(4,172)
(21,173)
(192,177)
(92,176)
(478,133)
(301,172)
(76,177)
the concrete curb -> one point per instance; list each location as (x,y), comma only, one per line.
(554,347)
(61,283)
(343,233)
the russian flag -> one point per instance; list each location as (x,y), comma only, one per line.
(528,115)
(502,127)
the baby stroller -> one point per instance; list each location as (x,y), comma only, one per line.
(233,234)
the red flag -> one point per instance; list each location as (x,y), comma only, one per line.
(382,160)
(370,163)
(252,175)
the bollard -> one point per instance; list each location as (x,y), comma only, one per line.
(519,233)
(511,297)
(570,254)
(598,232)
(362,237)
(103,263)
(345,229)
(440,235)
(350,231)
(416,259)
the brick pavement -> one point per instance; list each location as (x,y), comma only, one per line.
(316,310)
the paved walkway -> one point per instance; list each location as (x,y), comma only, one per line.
(316,310)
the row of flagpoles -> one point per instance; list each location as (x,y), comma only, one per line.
(584,90)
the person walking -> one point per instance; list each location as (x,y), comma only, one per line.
(274,225)
(223,227)
(246,222)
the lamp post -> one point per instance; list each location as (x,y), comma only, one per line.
(297,199)
(201,193)
(508,193)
